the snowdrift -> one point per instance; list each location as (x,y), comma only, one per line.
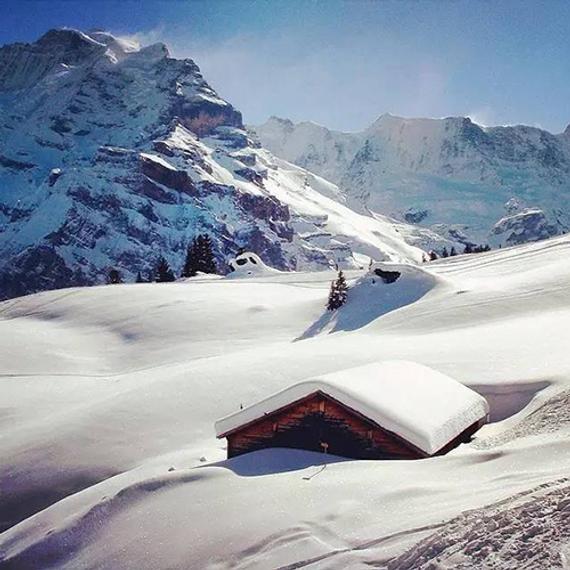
(385,288)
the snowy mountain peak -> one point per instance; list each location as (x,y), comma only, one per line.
(22,66)
(280,121)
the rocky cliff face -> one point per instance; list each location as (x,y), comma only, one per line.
(111,155)
(448,174)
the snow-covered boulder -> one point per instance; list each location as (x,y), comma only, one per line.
(247,264)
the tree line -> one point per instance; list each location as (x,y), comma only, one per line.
(199,259)
(432,255)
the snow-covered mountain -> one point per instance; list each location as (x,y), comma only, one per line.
(504,185)
(112,154)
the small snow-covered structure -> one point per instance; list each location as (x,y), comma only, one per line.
(383,410)
(389,272)
(248,264)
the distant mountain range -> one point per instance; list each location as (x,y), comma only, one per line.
(501,185)
(111,155)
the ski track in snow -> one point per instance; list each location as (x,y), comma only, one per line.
(529,531)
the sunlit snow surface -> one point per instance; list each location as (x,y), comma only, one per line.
(109,397)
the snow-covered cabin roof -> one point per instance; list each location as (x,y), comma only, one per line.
(423,406)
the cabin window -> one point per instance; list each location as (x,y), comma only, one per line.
(322,406)
(275,426)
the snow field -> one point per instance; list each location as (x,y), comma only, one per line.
(106,390)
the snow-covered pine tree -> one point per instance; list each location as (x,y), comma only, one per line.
(338,294)
(444,252)
(452,252)
(163,272)
(139,278)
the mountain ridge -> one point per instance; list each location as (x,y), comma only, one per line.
(463,177)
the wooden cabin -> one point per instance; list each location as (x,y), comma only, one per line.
(387,410)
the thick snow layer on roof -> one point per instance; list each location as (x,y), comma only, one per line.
(423,406)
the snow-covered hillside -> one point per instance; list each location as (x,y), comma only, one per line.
(111,155)
(502,185)
(108,455)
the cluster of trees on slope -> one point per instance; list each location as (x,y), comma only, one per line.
(469,248)
(199,259)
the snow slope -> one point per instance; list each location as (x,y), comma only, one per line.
(503,185)
(108,455)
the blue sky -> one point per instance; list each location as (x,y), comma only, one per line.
(342,64)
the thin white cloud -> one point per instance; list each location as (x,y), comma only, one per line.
(331,84)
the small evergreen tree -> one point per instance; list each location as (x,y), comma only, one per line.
(199,257)
(452,252)
(139,278)
(189,269)
(433,255)
(163,272)
(338,293)
(114,276)
(206,261)
(444,252)
(468,248)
